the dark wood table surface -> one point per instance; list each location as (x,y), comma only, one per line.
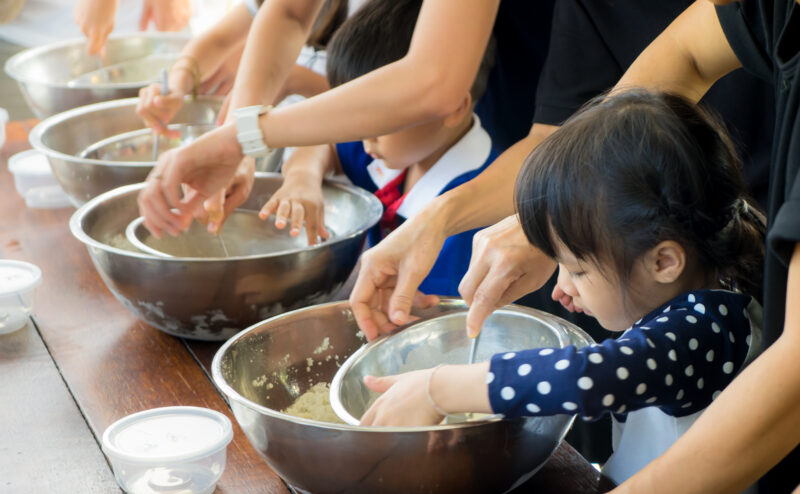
(83,361)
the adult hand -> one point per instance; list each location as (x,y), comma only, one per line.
(298,200)
(391,272)
(404,401)
(166,15)
(95,18)
(205,167)
(504,266)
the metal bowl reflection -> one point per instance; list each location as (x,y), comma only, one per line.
(61,76)
(93,130)
(265,368)
(440,340)
(213,298)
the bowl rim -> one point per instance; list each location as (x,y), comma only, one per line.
(233,395)
(76,220)
(358,355)
(16,60)
(37,133)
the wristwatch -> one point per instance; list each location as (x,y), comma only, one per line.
(248,132)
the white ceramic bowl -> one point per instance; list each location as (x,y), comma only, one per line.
(35,181)
(169,450)
(18,282)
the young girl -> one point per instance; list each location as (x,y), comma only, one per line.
(640,201)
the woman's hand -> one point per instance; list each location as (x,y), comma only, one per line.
(204,167)
(404,401)
(391,272)
(95,18)
(298,200)
(504,266)
(167,15)
(156,109)
(219,206)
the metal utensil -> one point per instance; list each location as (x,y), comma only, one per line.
(163,92)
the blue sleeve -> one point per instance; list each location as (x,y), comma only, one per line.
(354,161)
(678,361)
(450,267)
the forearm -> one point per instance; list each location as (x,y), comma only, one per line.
(489,197)
(305,82)
(752,425)
(687,58)
(461,388)
(277,35)
(430,81)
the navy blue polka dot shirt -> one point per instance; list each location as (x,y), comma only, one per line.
(678,358)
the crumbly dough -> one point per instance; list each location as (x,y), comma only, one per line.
(315,404)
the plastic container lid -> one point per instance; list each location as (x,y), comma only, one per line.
(30,162)
(34,165)
(18,276)
(167,435)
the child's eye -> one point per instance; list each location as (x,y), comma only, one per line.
(576,274)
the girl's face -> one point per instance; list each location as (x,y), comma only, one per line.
(598,291)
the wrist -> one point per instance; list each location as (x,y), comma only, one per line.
(461,388)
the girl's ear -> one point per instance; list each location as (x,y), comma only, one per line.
(666,261)
(457,116)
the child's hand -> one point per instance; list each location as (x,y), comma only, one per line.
(220,205)
(404,401)
(157,109)
(297,201)
(559,296)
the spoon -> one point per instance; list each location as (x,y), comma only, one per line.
(163,92)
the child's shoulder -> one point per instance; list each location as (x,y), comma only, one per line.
(714,307)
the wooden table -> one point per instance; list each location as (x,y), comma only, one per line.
(83,361)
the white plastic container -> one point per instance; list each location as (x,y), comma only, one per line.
(18,282)
(35,181)
(171,450)
(3,122)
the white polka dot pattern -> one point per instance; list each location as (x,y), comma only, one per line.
(524,369)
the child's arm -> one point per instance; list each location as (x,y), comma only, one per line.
(300,197)
(201,59)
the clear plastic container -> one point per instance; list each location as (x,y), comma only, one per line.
(3,122)
(18,282)
(171,450)
(35,181)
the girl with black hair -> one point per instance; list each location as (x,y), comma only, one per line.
(640,200)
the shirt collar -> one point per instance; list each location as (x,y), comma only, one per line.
(468,154)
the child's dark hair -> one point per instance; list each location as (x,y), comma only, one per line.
(378,34)
(634,169)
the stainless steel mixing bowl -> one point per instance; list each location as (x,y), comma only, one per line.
(212,299)
(64,137)
(242,234)
(440,340)
(58,77)
(263,370)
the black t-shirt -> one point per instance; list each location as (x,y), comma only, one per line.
(766,38)
(594,41)
(522,33)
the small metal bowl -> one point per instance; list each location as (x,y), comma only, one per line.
(243,234)
(440,340)
(89,148)
(61,76)
(265,368)
(214,298)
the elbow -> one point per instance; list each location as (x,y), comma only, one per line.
(438,93)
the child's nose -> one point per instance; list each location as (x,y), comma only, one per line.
(565,283)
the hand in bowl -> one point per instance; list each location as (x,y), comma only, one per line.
(298,200)
(404,401)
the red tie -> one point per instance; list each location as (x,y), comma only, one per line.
(391,197)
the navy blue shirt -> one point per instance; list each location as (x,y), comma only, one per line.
(678,358)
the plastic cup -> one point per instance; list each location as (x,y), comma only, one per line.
(18,282)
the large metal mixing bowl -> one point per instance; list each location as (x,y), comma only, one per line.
(65,137)
(263,370)
(212,299)
(57,77)
(440,340)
